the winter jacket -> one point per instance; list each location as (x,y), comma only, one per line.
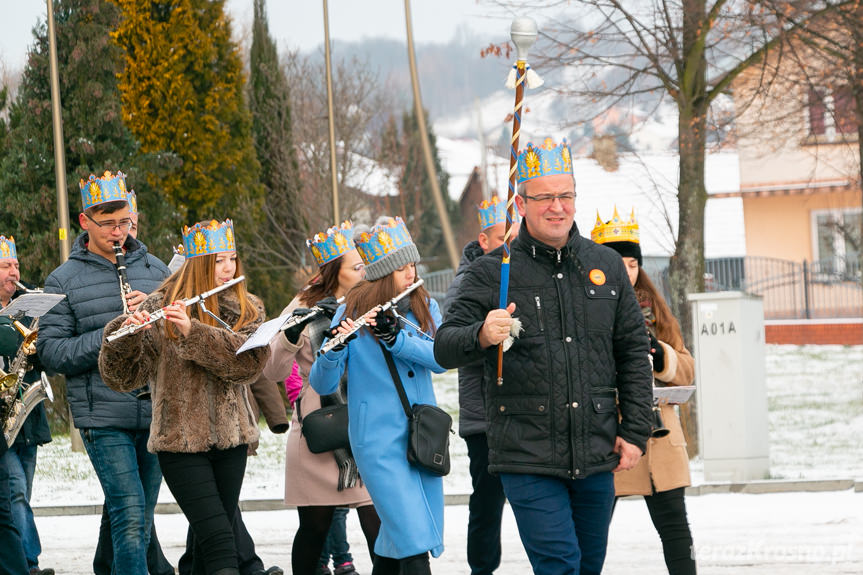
(70,335)
(583,346)
(471,414)
(199,386)
(408,500)
(35,430)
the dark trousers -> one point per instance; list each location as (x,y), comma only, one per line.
(11,549)
(247,557)
(315,521)
(485,508)
(207,486)
(157,563)
(563,523)
(413,565)
(668,513)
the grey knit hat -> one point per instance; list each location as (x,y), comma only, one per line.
(386,248)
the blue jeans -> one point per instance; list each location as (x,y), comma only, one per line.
(130,478)
(21,464)
(563,523)
(336,544)
(11,551)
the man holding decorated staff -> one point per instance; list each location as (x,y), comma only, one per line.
(487,499)
(20,460)
(114,426)
(574,401)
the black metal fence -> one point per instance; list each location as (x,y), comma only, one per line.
(791,290)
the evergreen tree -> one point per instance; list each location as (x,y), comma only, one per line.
(182,94)
(279,229)
(95,138)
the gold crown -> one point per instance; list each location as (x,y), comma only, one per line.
(615,229)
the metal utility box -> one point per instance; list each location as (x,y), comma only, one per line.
(731,385)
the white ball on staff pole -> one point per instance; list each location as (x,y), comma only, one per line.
(523,33)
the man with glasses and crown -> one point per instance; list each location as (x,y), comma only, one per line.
(574,401)
(114,426)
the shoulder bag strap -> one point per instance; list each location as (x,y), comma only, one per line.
(398,381)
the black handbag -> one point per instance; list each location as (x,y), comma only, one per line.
(325,429)
(429,428)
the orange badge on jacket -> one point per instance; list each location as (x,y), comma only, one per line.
(597,276)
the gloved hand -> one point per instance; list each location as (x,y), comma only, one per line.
(658,353)
(386,328)
(292,334)
(334,332)
(328,306)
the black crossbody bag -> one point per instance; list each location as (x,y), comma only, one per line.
(429,428)
(325,429)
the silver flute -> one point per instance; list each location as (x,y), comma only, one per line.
(361,322)
(294,319)
(160,313)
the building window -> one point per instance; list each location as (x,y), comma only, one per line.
(817,113)
(843,105)
(831,114)
(837,244)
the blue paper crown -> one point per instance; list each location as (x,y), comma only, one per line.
(7,248)
(336,242)
(133,202)
(382,240)
(492,212)
(212,238)
(108,188)
(547,160)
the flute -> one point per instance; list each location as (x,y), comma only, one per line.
(361,322)
(294,319)
(160,313)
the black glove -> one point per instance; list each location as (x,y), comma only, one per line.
(292,334)
(334,332)
(386,328)
(328,306)
(658,353)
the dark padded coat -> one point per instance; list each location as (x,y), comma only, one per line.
(70,335)
(471,413)
(583,347)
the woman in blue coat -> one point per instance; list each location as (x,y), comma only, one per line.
(409,500)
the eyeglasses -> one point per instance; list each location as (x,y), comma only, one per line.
(548,199)
(122,225)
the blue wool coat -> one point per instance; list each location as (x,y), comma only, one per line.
(409,501)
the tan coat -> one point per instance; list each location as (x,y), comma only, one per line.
(310,478)
(665,464)
(199,386)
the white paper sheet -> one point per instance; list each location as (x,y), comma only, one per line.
(32,304)
(673,393)
(264,334)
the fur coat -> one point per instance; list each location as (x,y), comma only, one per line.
(199,386)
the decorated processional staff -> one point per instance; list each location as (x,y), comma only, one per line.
(202,420)
(114,426)
(553,429)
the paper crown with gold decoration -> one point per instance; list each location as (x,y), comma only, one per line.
(546,160)
(492,212)
(336,242)
(386,248)
(211,238)
(7,248)
(622,236)
(133,202)
(108,188)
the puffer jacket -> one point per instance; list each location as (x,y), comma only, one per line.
(471,413)
(583,347)
(199,386)
(70,335)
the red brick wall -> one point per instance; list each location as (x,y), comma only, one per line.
(815,333)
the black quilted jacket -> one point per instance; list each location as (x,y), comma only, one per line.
(584,347)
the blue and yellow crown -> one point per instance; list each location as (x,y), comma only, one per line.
(385,248)
(133,202)
(492,212)
(212,238)
(615,229)
(109,188)
(336,242)
(546,160)
(7,248)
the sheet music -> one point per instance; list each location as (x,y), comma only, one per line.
(176,262)
(32,304)
(263,334)
(673,393)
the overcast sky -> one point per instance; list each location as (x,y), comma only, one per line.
(300,24)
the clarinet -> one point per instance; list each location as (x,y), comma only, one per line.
(125,287)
